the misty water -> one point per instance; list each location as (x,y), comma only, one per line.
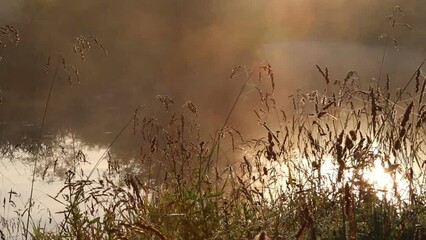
(156,49)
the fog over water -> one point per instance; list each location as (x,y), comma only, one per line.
(186,50)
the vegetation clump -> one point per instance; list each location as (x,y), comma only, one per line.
(311,174)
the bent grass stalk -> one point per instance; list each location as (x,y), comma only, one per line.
(101,158)
(37,154)
(216,143)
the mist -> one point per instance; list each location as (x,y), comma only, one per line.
(186,50)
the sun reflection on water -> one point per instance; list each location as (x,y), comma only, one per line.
(288,175)
(378,177)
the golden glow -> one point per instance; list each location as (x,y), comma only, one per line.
(378,177)
(293,18)
(382,178)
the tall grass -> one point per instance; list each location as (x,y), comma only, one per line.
(305,177)
(308,175)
